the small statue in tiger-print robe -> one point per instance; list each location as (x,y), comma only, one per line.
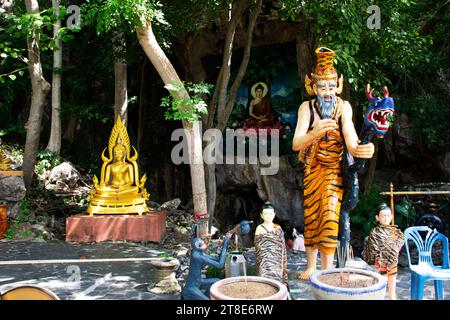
(383,247)
(271,257)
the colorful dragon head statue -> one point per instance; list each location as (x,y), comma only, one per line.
(377,115)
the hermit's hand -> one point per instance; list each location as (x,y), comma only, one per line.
(322,127)
(364,151)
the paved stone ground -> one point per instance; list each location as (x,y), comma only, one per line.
(128,280)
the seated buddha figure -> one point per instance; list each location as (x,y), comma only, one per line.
(119,190)
(5,163)
(119,174)
(260,109)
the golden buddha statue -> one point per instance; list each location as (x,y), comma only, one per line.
(5,163)
(119,190)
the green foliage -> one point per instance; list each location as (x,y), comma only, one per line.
(46,160)
(445,206)
(20,25)
(13,128)
(429,118)
(362,54)
(213,272)
(197,14)
(364,213)
(165,255)
(122,15)
(266,64)
(180,107)
(93,111)
(404,213)
(14,229)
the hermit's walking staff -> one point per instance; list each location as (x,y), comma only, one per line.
(377,120)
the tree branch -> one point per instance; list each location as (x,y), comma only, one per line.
(12,72)
(242,68)
(222,82)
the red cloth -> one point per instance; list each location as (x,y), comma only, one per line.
(269,129)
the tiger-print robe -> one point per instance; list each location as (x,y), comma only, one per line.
(383,245)
(323,190)
(271,257)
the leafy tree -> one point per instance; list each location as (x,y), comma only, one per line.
(140,16)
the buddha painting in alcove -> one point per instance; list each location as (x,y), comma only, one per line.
(261,114)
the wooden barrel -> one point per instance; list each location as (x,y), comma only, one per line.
(3,221)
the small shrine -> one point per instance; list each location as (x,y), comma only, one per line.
(119,191)
(117,209)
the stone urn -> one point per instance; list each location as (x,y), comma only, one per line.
(248,288)
(164,276)
(348,284)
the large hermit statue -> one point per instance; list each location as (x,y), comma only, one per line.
(324,128)
(119,191)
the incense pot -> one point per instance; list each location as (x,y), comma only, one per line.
(351,284)
(246,284)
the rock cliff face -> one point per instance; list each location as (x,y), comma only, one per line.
(242,189)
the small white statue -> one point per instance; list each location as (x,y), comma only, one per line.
(270,247)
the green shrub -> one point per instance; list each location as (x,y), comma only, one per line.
(212,272)
(404,213)
(46,160)
(364,213)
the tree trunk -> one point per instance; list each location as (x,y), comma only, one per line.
(225,107)
(54,143)
(304,63)
(193,130)
(242,68)
(120,77)
(141,107)
(71,129)
(40,89)
(388,147)
(224,77)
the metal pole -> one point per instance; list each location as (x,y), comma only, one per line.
(415,193)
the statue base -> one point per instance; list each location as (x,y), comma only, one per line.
(151,226)
(11,173)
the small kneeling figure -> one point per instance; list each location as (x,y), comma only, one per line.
(199,258)
(383,246)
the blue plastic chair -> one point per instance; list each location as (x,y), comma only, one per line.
(425,269)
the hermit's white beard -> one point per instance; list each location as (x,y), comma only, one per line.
(326,108)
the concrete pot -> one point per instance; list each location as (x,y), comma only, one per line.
(281,294)
(324,291)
